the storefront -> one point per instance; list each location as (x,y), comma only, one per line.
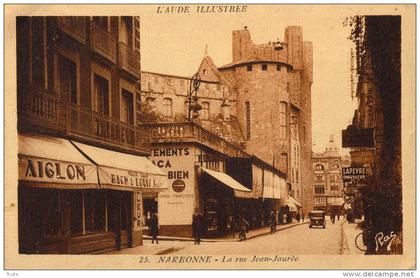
(75,198)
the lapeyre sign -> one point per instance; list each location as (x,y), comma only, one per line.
(353,173)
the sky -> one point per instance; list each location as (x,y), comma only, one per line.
(176,43)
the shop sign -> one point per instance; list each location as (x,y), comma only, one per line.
(357,137)
(353,173)
(138,211)
(120,177)
(44,170)
(178,186)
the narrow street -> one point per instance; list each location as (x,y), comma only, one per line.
(298,240)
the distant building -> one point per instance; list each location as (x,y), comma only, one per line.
(328,183)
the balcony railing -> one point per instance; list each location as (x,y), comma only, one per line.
(75,26)
(129,59)
(40,107)
(103,43)
(87,123)
(191,132)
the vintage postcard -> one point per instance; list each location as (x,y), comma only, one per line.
(209,136)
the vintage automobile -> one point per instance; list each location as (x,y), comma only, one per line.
(317,218)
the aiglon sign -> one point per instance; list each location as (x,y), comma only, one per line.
(45,170)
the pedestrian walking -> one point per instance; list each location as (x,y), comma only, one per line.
(197,226)
(154,228)
(332,217)
(284,218)
(243,228)
(273,223)
(303,217)
(232,226)
(298,217)
(338,217)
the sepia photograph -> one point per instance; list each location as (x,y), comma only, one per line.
(204,136)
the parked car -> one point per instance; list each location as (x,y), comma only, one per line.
(317,218)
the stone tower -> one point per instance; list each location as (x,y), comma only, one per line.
(272,83)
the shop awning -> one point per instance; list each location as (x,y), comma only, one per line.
(290,202)
(293,200)
(124,171)
(51,162)
(227,180)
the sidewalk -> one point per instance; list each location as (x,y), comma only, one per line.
(349,235)
(228,238)
(170,244)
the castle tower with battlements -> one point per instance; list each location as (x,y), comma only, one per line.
(272,84)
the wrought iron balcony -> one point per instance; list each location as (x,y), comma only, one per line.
(129,59)
(103,43)
(40,108)
(41,111)
(75,26)
(191,132)
(90,124)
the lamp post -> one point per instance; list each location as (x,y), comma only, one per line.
(193,105)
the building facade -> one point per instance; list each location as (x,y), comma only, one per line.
(375,134)
(328,183)
(82,157)
(261,99)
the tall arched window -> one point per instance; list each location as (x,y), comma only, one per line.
(283,118)
(205,111)
(167,107)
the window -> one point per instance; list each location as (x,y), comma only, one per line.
(68,79)
(167,107)
(151,101)
(283,117)
(297,175)
(319,167)
(304,132)
(94,210)
(38,65)
(127,31)
(319,178)
(278,67)
(334,167)
(101,21)
(334,187)
(101,95)
(205,112)
(248,120)
(76,203)
(319,189)
(264,67)
(249,67)
(288,87)
(127,113)
(53,214)
(334,178)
